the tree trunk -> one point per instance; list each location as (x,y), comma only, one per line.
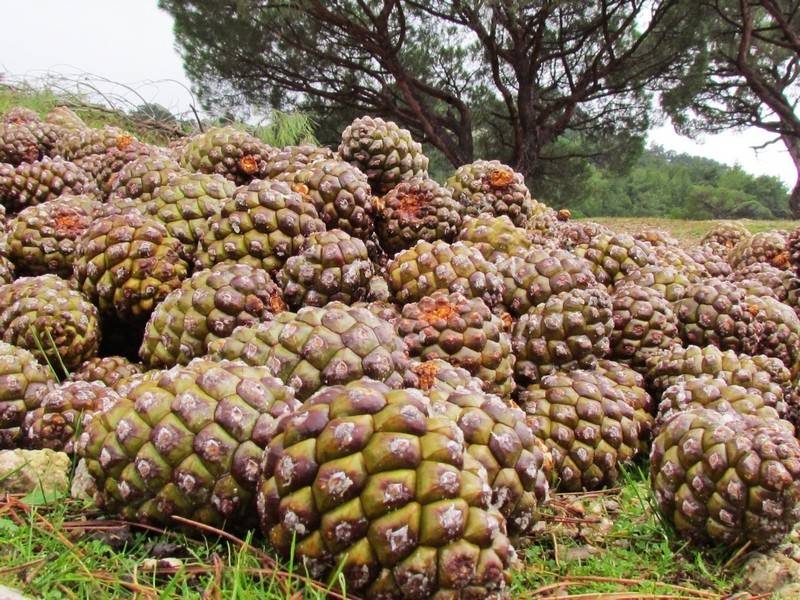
(530,149)
(794,199)
(793,146)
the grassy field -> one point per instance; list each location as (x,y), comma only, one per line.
(688,232)
(608,545)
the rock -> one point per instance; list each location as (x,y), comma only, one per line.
(161,564)
(83,484)
(9,594)
(581,553)
(767,573)
(23,471)
(161,550)
(116,538)
(775,571)
(788,592)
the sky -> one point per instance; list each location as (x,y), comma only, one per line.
(131,42)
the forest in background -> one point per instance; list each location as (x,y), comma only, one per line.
(662,183)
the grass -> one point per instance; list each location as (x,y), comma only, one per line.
(43,100)
(688,232)
(276,129)
(58,549)
(600,545)
(616,543)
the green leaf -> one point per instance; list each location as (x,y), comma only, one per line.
(8,525)
(38,497)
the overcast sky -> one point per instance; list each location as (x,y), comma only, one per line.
(131,42)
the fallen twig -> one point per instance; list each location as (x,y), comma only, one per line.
(626,581)
(22,567)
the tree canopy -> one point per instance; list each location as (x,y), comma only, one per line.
(559,89)
(745,75)
(470,78)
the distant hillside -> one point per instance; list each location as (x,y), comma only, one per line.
(680,186)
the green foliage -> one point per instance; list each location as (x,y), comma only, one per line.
(277,129)
(742,73)
(154,112)
(570,163)
(733,79)
(473,79)
(43,100)
(57,549)
(666,184)
(624,546)
(51,551)
(285,129)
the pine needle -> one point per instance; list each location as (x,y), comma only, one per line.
(38,342)
(53,346)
